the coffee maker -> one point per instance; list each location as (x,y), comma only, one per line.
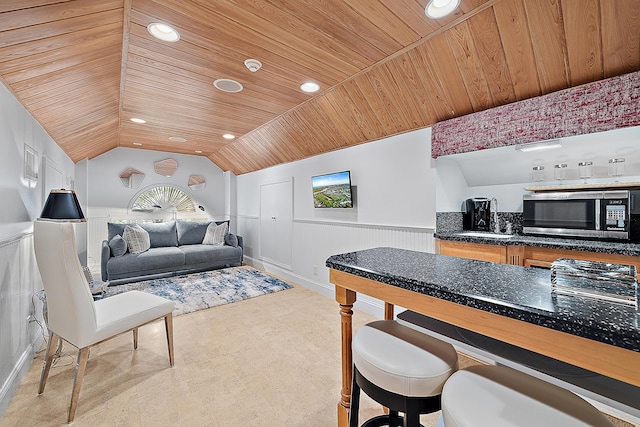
(477,214)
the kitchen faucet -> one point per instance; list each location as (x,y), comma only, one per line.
(494,212)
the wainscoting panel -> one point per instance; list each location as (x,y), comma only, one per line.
(315,241)
(96,233)
(20,334)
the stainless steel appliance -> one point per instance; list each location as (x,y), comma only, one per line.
(477,214)
(607,215)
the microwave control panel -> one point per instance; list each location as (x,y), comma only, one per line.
(615,214)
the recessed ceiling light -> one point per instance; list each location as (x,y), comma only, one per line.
(177,139)
(199,151)
(163,32)
(137,143)
(440,8)
(228,136)
(228,85)
(310,87)
(137,120)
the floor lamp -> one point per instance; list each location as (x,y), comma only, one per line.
(61,206)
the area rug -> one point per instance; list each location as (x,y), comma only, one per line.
(197,291)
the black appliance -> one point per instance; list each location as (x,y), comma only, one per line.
(477,214)
(606,215)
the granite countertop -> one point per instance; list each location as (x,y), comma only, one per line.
(508,290)
(620,248)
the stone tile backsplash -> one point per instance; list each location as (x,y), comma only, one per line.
(451,222)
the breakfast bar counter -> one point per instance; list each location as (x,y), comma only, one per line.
(509,303)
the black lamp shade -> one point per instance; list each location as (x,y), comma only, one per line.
(62,205)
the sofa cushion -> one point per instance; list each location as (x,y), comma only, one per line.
(113,229)
(161,234)
(215,234)
(137,239)
(154,260)
(231,240)
(210,255)
(118,245)
(191,232)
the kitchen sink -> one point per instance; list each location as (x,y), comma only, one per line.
(486,234)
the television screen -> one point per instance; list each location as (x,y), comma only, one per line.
(332,190)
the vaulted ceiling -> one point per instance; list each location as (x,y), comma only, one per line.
(84,68)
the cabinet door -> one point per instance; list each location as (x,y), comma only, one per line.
(481,252)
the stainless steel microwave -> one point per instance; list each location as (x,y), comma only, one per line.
(606,215)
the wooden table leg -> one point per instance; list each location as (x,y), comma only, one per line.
(346,298)
(388,311)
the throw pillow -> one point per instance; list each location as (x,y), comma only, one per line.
(191,232)
(118,245)
(137,239)
(215,234)
(161,234)
(231,240)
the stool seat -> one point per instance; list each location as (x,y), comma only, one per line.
(400,368)
(501,396)
(402,360)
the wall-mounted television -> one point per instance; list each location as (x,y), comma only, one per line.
(332,190)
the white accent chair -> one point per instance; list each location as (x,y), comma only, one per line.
(74,316)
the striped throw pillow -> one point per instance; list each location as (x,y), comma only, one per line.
(215,234)
(137,239)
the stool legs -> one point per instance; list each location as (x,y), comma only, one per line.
(411,407)
(355,402)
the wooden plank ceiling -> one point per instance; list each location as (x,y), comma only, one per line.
(83,68)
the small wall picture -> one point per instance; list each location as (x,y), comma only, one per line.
(30,163)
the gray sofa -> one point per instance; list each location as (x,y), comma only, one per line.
(176,248)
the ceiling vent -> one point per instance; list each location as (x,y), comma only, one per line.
(228,85)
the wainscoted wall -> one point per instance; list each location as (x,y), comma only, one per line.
(22,201)
(20,313)
(315,241)
(596,107)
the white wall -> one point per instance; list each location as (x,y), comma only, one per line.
(395,184)
(22,202)
(106,189)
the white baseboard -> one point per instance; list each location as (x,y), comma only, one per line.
(18,372)
(367,304)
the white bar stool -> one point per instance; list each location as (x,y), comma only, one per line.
(501,396)
(400,368)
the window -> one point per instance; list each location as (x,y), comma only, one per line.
(163,198)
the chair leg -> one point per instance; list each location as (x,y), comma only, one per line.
(48,360)
(81,364)
(135,339)
(168,325)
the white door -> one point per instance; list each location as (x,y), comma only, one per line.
(276,222)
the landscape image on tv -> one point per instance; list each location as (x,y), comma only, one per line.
(332,190)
